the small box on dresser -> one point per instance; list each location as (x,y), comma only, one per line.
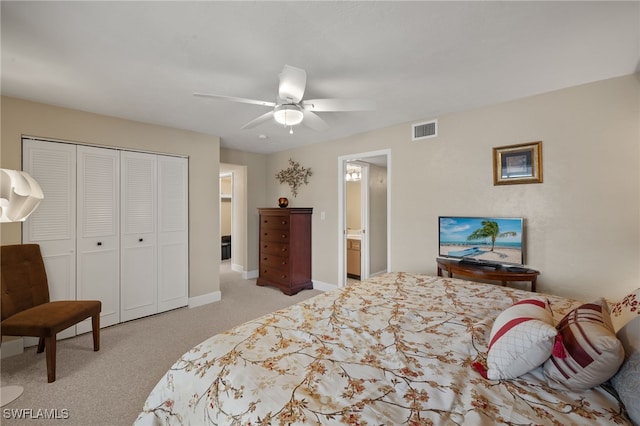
(285,249)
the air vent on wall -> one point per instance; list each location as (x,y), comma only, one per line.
(428,129)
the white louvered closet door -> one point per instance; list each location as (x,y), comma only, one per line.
(173,221)
(53,224)
(99,232)
(138,276)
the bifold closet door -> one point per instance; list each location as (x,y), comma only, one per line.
(98,230)
(53,224)
(173,227)
(113,226)
(138,240)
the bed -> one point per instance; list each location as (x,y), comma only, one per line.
(397,349)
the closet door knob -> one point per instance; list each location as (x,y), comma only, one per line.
(99,243)
(141,240)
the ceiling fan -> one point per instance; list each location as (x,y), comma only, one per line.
(290,109)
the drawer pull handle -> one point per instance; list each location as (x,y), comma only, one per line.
(284,222)
(141,240)
(99,243)
(284,236)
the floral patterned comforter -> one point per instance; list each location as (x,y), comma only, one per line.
(396,349)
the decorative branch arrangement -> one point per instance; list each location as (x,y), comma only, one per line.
(295,176)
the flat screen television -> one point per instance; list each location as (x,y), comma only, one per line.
(484,240)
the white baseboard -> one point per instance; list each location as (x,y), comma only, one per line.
(236,268)
(319,285)
(216,296)
(205,299)
(12,347)
(249,275)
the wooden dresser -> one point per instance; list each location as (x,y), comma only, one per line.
(285,249)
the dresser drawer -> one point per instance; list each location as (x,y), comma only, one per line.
(279,249)
(275,235)
(274,222)
(275,275)
(273,261)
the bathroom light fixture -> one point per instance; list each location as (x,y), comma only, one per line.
(288,114)
(353,176)
(354,173)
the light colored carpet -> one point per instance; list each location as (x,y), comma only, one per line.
(109,387)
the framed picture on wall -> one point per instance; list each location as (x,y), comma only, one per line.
(515,164)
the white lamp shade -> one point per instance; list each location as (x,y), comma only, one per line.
(20,194)
(288,115)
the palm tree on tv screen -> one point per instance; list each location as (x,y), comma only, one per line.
(490,229)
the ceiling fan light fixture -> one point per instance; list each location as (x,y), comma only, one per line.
(288,114)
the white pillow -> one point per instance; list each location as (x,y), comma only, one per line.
(625,310)
(522,338)
(589,352)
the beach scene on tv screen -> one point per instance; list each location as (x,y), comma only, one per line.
(488,239)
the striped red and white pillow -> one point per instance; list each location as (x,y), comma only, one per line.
(589,352)
(522,338)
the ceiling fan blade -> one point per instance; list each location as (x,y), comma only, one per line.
(313,121)
(257,121)
(339,105)
(292,83)
(236,99)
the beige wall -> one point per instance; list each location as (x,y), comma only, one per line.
(582,222)
(225,206)
(21,117)
(225,216)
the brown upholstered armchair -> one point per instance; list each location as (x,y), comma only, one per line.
(26,309)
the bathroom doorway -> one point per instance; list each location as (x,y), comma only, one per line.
(364,215)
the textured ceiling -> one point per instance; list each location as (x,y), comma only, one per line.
(416,60)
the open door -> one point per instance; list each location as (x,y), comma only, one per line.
(357,219)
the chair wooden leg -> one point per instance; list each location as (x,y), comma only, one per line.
(95,325)
(51,358)
(40,345)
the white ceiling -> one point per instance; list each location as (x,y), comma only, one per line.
(417,60)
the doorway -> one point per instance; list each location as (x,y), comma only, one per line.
(226,215)
(233,215)
(364,215)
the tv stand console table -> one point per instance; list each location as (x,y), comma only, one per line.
(487,272)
